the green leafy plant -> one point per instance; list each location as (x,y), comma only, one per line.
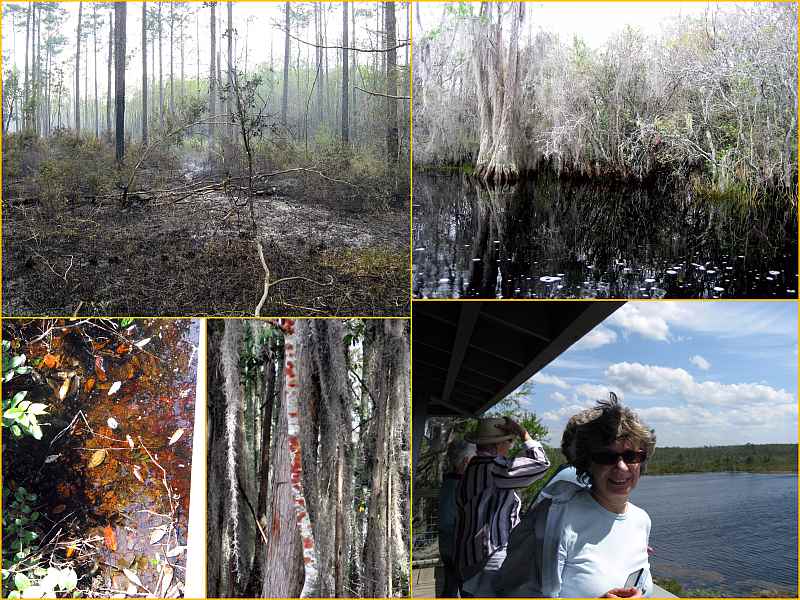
(13,365)
(19,414)
(53,580)
(22,576)
(20,519)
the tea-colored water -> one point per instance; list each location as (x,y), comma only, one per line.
(111,485)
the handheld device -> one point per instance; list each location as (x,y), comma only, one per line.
(634,579)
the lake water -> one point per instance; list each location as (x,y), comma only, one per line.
(565,238)
(734,534)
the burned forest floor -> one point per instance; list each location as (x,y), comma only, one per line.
(183,244)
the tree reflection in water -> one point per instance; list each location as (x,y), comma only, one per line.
(560,237)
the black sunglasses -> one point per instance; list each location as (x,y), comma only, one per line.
(629,457)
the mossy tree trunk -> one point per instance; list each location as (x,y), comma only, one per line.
(497,74)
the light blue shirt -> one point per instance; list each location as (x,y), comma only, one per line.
(598,549)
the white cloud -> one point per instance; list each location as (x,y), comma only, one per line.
(597,337)
(565,412)
(700,362)
(649,380)
(558,397)
(595,392)
(545,379)
(659,320)
(649,320)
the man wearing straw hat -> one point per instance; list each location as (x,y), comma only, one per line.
(488,505)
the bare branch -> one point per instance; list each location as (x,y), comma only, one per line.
(382,95)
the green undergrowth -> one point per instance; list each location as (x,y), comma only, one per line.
(64,168)
(365,262)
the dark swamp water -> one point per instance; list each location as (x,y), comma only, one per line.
(112,470)
(724,534)
(554,237)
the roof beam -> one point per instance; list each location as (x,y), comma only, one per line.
(466,325)
(596,312)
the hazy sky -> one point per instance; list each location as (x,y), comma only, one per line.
(254,21)
(593,21)
(700,373)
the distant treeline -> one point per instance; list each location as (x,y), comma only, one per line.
(754,458)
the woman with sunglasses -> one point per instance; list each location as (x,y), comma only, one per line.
(595,543)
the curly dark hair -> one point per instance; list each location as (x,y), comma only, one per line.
(612,422)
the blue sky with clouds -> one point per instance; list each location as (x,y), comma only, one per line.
(699,373)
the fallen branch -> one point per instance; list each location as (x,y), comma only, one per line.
(260,304)
(299,169)
(382,95)
(204,121)
(268,285)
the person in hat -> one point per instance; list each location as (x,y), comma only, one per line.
(488,505)
(459,453)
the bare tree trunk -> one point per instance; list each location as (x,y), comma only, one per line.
(26,88)
(182,90)
(144,74)
(110,79)
(283,556)
(96,100)
(230,69)
(345,80)
(212,77)
(286,52)
(319,82)
(391,88)
(78,72)
(35,34)
(120,13)
(171,58)
(197,40)
(161,67)
(295,428)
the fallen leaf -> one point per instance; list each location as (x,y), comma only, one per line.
(130,440)
(156,534)
(110,537)
(98,457)
(166,572)
(137,472)
(64,390)
(70,551)
(142,343)
(123,348)
(89,385)
(59,509)
(112,422)
(176,551)
(175,436)
(114,388)
(133,577)
(98,367)
(50,361)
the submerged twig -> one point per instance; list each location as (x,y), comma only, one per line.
(163,478)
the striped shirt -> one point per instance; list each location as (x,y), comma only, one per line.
(488,506)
